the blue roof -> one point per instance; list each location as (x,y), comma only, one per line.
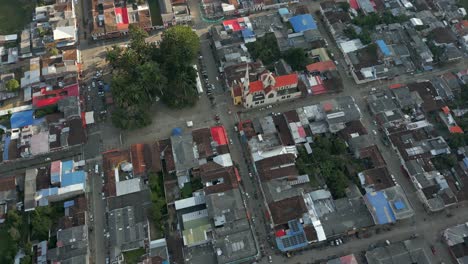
(177,131)
(67,166)
(295,237)
(247,33)
(381,210)
(75,177)
(24,118)
(383,47)
(49,192)
(302,23)
(54,178)
(106,87)
(6,147)
(68,204)
(283,11)
(399,205)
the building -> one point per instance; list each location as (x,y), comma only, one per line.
(72,246)
(270,89)
(456,238)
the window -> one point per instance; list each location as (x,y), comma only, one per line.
(271,95)
(256,102)
(288,96)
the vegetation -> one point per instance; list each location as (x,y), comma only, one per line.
(344,5)
(12,85)
(370,21)
(158,200)
(457,140)
(133,256)
(328,160)
(444,162)
(265,49)
(46,111)
(42,219)
(296,58)
(144,72)
(14,15)
(186,191)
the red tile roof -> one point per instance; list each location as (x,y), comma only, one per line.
(456,130)
(280,81)
(138,161)
(462,27)
(285,80)
(321,66)
(396,86)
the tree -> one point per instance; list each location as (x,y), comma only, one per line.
(344,5)
(41,222)
(53,51)
(180,46)
(265,49)
(143,74)
(12,85)
(296,58)
(14,234)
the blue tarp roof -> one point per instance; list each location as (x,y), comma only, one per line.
(283,11)
(75,177)
(302,23)
(177,131)
(68,204)
(247,33)
(6,148)
(399,205)
(106,87)
(295,237)
(381,210)
(67,166)
(383,47)
(55,178)
(24,118)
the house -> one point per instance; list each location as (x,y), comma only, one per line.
(127,221)
(72,246)
(456,239)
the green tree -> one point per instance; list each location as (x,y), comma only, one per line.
(41,222)
(297,58)
(344,5)
(265,49)
(53,51)
(14,234)
(183,90)
(12,85)
(180,46)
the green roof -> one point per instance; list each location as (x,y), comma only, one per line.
(195,235)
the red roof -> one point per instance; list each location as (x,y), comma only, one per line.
(121,15)
(462,27)
(138,160)
(354,4)
(52,97)
(234,24)
(456,130)
(280,233)
(319,89)
(327,106)
(396,86)
(280,81)
(446,110)
(285,80)
(218,133)
(321,66)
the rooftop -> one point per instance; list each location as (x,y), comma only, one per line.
(409,251)
(287,210)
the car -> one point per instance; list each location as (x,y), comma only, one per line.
(236,129)
(270,259)
(374,132)
(250,175)
(230,141)
(93,84)
(337,242)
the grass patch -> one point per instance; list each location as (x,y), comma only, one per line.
(14,15)
(158,200)
(155,11)
(133,257)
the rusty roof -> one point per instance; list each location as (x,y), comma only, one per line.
(287,210)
